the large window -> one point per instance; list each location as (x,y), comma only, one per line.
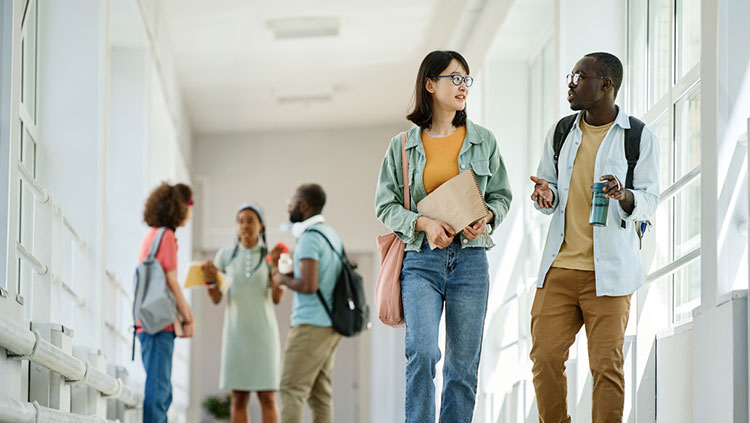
(665,93)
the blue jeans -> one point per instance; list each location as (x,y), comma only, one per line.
(458,278)
(156,353)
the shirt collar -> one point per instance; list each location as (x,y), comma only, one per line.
(300,227)
(622,119)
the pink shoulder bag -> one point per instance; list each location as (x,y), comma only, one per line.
(391,249)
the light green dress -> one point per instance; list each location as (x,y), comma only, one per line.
(250,358)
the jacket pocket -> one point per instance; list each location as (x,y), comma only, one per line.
(617,167)
(481,169)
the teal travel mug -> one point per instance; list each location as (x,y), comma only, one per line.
(599,205)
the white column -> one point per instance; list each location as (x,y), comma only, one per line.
(720,341)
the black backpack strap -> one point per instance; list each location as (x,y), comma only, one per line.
(633,147)
(341,256)
(343,259)
(562,129)
(632,151)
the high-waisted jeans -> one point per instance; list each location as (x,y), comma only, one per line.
(457,277)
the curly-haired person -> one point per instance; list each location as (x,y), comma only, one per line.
(168,207)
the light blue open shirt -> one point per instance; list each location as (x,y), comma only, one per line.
(617,260)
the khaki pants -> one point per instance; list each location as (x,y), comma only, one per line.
(307,373)
(567,301)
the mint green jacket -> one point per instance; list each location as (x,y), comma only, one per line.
(479,152)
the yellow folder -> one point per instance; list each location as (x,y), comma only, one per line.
(196,279)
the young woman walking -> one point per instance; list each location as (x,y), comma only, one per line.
(455,274)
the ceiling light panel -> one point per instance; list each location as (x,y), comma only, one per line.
(304,27)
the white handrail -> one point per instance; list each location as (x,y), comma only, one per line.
(31,180)
(80,301)
(22,344)
(73,232)
(27,255)
(15,411)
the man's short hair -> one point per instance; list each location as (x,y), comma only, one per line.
(314,195)
(609,66)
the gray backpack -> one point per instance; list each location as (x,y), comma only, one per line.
(154,303)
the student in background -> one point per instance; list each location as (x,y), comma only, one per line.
(170,207)
(307,370)
(250,340)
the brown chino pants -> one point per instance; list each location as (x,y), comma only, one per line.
(307,373)
(566,302)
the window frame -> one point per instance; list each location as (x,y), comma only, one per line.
(681,88)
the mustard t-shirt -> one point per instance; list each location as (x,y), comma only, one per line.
(577,250)
(441,157)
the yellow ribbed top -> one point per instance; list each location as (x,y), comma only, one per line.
(442,157)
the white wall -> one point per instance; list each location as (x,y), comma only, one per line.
(267,168)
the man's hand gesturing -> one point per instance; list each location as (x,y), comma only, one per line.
(542,194)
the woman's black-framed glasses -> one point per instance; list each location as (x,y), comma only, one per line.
(458,79)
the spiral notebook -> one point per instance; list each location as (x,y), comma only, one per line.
(457,202)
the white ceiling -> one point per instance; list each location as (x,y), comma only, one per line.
(232,71)
(527,27)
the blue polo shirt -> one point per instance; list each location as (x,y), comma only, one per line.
(306,308)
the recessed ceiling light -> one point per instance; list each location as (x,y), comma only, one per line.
(305,99)
(304,27)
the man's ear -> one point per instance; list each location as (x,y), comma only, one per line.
(606,84)
(429,85)
(304,206)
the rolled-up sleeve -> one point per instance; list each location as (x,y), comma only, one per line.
(547,171)
(645,180)
(389,195)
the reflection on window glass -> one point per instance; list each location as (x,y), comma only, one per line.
(688,136)
(663,135)
(688,219)
(28,152)
(689,35)
(663,236)
(659,50)
(687,291)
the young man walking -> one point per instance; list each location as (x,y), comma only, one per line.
(307,364)
(588,273)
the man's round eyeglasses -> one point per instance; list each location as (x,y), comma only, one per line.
(458,79)
(573,78)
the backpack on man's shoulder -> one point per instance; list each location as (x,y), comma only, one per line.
(632,154)
(153,302)
(349,312)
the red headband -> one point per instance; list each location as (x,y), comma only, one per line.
(190,202)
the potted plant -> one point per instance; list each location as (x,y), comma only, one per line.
(218,407)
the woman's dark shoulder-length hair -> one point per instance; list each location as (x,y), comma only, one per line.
(431,66)
(167,205)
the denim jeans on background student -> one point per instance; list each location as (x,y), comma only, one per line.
(156,353)
(459,279)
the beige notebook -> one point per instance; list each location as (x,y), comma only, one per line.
(457,202)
